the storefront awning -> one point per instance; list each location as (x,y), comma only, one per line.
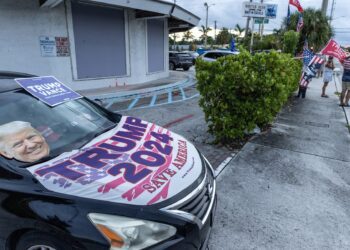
(179,18)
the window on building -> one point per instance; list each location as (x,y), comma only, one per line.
(155,45)
(100,45)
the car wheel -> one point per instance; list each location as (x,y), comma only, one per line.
(41,241)
(186,68)
(171,66)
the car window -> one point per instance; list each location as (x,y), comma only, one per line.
(31,130)
(211,55)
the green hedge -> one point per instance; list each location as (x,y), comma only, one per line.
(242,91)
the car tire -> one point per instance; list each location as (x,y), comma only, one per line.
(171,66)
(40,241)
(186,68)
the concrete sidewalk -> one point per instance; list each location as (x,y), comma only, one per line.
(290,187)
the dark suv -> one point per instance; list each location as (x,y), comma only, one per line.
(179,60)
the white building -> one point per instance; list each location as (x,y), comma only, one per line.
(90,44)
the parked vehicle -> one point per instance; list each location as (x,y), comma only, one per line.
(213,55)
(78,176)
(179,60)
(193,55)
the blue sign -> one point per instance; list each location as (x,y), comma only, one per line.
(271,11)
(48,90)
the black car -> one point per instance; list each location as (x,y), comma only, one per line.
(180,60)
(78,176)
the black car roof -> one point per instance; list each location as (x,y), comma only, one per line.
(6,80)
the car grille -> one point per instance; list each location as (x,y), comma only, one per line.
(199,204)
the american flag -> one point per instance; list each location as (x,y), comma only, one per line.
(300,24)
(312,68)
(307,55)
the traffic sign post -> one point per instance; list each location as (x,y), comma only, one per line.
(260,20)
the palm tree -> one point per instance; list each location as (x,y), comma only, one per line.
(316,30)
(239,29)
(204,31)
(188,35)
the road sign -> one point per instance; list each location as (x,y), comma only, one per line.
(271,11)
(254,9)
(259,10)
(260,20)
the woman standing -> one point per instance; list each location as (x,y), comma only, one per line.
(328,75)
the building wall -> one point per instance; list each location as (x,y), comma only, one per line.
(22,22)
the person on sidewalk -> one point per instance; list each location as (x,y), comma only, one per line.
(345,93)
(321,69)
(328,75)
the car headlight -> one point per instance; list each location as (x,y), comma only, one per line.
(131,234)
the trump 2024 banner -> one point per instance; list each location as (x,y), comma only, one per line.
(136,163)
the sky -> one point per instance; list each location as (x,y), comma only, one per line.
(228,13)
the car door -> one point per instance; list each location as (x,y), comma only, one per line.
(210,57)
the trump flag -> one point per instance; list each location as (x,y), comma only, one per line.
(334,49)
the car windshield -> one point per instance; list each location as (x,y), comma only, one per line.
(32,132)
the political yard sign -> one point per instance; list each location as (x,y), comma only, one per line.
(48,90)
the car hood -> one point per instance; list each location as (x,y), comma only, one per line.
(137,163)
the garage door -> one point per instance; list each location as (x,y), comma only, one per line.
(99,34)
(155,45)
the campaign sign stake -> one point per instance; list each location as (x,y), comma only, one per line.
(48,90)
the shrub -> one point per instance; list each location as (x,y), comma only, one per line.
(242,91)
(290,39)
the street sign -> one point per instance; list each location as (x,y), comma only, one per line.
(271,11)
(260,20)
(259,10)
(254,9)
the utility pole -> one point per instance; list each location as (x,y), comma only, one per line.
(247,25)
(324,6)
(332,12)
(215,22)
(174,37)
(206,5)
(206,24)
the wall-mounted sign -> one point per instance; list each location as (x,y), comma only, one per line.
(48,46)
(54,46)
(62,46)
(259,10)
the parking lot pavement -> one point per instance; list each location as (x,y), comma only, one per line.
(289,188)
